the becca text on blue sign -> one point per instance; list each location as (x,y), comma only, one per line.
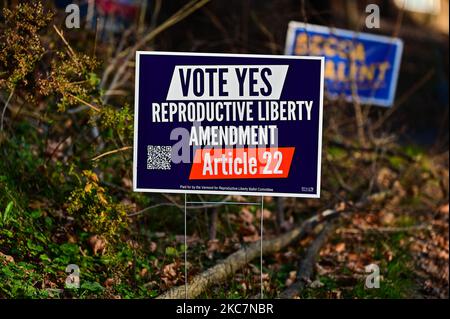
(356,64)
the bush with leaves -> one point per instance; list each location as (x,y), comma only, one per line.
(96,212)
(21,47)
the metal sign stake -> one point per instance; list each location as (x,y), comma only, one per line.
(186,203)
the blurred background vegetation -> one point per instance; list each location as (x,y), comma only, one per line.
(66,98)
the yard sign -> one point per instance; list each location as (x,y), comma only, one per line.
(228,124)
(356,64)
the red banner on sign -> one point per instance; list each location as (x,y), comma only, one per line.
(238,163)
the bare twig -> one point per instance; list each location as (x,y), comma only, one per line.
(71,51)
(359,116)
(5,107)
(84,102)
(155,15)
(173,203)
(213,223)
(127,54)
(272,44)
(339,178)
(280,213)
(152,207)
(125,148)
(403,99)
(219,26)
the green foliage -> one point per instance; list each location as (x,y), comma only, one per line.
(19,281)
(174,251)
(25,56)
(40,258)
(9,201)
(118,121)
(336,153)
(54,209)
(397,279)
(93,287)
(48,212)
(73,79)
(5,217)
(413,151)
(397,162)
(95,211)
(397,276)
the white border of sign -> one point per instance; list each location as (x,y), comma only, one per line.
(136,116)
(290,39)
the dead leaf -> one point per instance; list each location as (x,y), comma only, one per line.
(109,282)
(213,245)
(340,247)
(127,182)
(143,272)
(388,218)
(388,255)
(432,189)
(336,294)
(238,198)
(6,258)
(133,244)
(169,272)
(443,209)
(71,239)
(316,284)
(98,244)
(288,282)
(385,178)
(251,238)
(246,216)
(266,214)
(293,274)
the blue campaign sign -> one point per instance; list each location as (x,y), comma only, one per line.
(356,64)
(228,124)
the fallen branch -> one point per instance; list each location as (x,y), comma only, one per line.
(242,257)
(306,269)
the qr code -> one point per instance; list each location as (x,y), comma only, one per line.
(159,157)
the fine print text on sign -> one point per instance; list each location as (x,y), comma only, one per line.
(356,64)
(228,124)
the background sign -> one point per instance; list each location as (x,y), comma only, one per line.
(228,124)
(360,64)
